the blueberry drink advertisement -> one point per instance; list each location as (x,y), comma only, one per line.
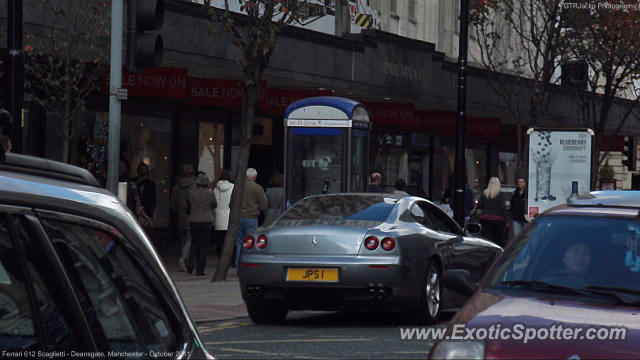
(559,167)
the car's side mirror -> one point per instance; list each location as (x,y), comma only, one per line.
(459,280)
(473,228)
(456,240)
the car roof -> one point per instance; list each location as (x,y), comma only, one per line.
(610,198)
(46,168)
(33,182)
(602,203)
(364,194)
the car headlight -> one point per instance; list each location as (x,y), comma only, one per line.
(459,350)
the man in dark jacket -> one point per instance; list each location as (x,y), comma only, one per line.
(374,186)
(469,199)
(518,206)
(146,189)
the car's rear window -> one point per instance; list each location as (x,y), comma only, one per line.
(341,207)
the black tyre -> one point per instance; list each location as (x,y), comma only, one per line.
(262,314)
(431,296)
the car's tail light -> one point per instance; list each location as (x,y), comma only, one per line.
(249,241)
(371,242)
(261,243)
(388,243)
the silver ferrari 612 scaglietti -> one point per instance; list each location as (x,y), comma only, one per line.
(358,250)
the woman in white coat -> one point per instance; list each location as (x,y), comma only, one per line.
(222,192)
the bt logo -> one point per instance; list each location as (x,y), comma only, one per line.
(322,163)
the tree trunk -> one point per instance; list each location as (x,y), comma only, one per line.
(249,100)
(595,159)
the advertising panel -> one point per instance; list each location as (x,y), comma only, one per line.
(559,167)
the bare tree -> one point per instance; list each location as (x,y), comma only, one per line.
(63,65)
(255,35)
(605,41)
(521,43)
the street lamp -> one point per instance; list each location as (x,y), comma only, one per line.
(461,116)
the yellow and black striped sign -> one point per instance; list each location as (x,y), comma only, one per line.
(363,20)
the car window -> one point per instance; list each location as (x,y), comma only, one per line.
(19,290)
(116,292)
(342,207)
(574,251)
(418,215)
(439,220)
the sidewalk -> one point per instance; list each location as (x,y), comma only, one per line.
(207,301)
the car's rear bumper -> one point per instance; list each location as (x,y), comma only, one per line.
(364,281)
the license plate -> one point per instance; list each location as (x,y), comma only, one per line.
(312,274)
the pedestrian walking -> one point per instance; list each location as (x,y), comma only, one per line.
(375,185)
(518,206)
(254,201)
(200,205)
(146,189)
(222,192)
(400,187)
(275,198)
(493,213)
(178,205)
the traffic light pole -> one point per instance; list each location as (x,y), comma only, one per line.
(461,118)
(14,96)
(115,107)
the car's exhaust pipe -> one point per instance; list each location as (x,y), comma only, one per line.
(253,290)
(377,293)
(372,293)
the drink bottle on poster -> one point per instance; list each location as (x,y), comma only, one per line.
(559,167)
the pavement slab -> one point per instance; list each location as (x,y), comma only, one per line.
(207,301)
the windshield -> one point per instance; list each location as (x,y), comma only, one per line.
(576,252)
(341,207)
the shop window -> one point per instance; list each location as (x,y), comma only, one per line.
(147,140)
(211,149)
(393,163)
(476,160)
(113,289)
(507,163)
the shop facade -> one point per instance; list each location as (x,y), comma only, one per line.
(188,111)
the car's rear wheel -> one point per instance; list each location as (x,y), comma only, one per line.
(266,314)
(430,306)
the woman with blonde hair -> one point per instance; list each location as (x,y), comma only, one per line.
(494,215)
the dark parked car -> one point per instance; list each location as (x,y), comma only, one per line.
(78,276)
(362,250)
(575,268)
